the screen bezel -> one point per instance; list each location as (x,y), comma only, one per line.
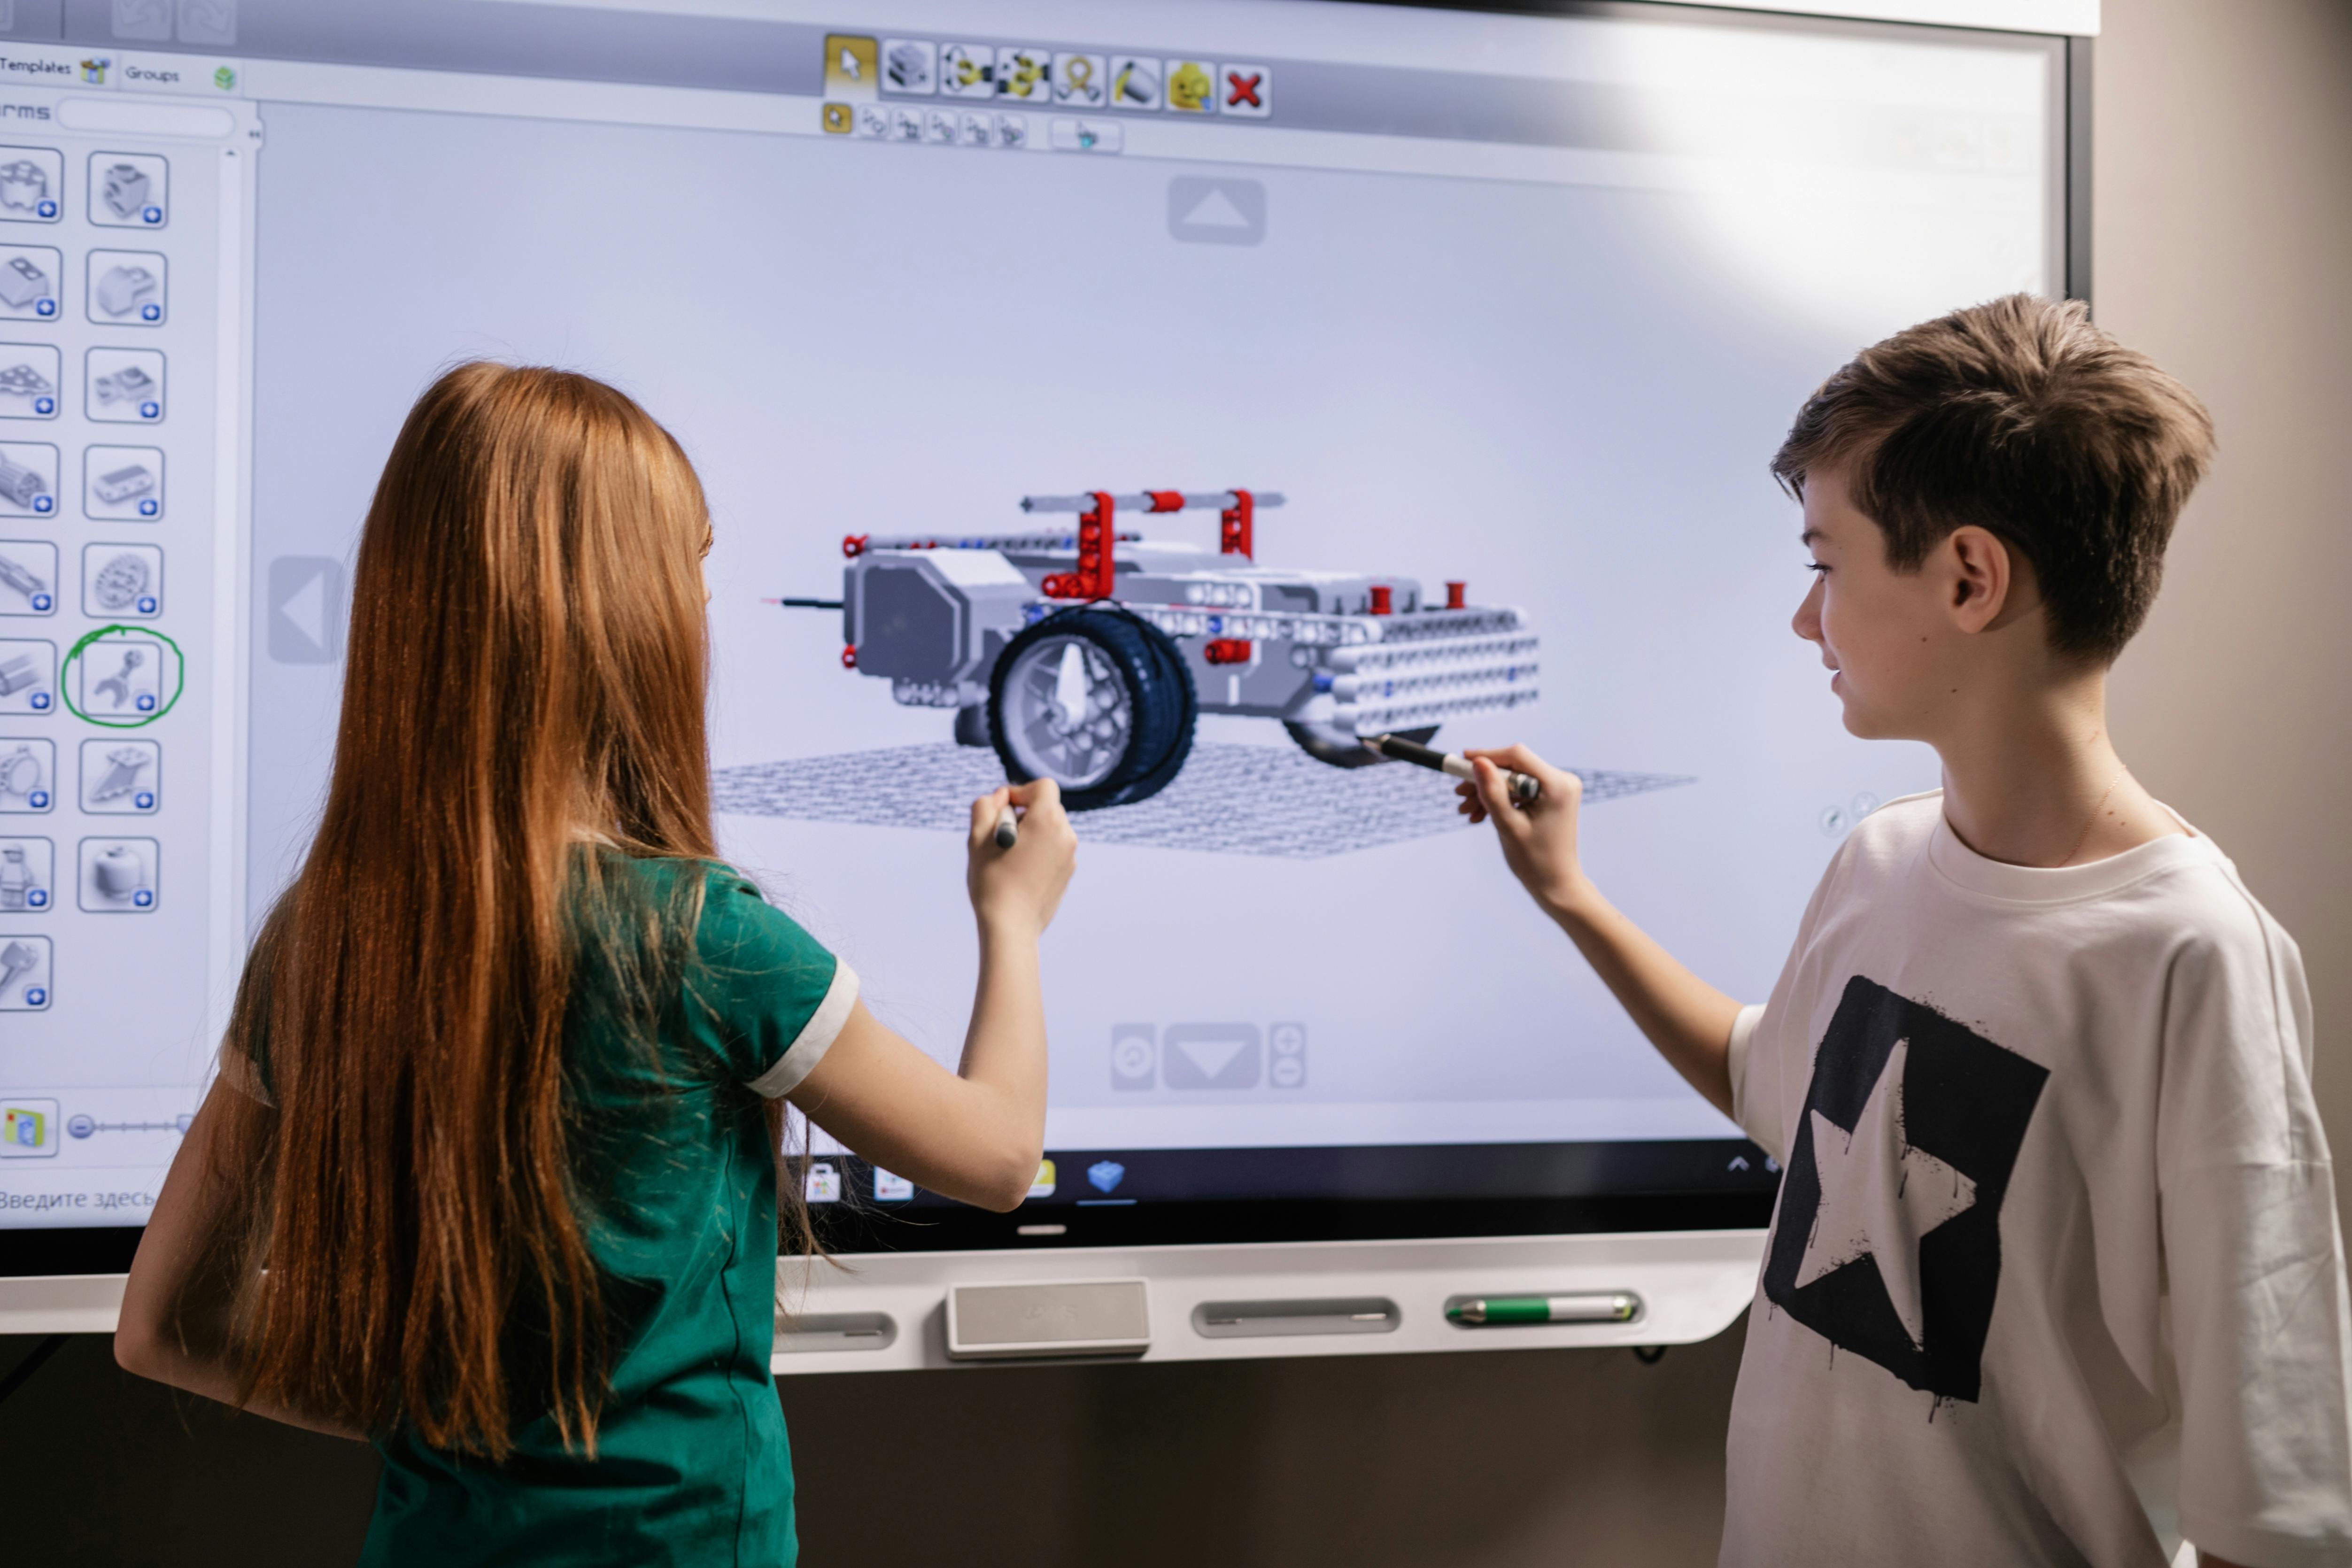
(854,1229)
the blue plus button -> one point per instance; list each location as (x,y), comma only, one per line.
(45,308)
(149,508)
(143,898)
(146,702)
(41,603)
(36,996)
(40,702)
(37,898)
(38,799)
(150,409)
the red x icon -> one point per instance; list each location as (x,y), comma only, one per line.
(1241,89)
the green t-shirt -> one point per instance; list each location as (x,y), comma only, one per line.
(692,1465)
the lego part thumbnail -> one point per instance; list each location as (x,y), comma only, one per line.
(23,486)
(24,874)
(15,574)
(126,766)
(22,283)
(25,775)
(29,681)
(23,973)
(21,379)
(124,188)
(29,386)
(119,581)
(129,384)
(119,290)
(129,674)
(118,875)
(125,484)
(23,185)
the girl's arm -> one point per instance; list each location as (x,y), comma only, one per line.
(1687,1020)
(175,1311)
(976,1133)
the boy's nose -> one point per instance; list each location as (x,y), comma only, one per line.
(1807,621)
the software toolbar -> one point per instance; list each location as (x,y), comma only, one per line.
(123,276)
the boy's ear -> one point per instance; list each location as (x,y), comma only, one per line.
(1982,579)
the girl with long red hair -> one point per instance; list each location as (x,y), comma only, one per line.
(489,1174)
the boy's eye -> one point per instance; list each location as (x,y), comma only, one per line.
(1816,568)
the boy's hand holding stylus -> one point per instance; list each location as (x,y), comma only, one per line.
(1539,836)
(1687,1020)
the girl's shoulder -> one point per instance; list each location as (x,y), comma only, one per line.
(734,925)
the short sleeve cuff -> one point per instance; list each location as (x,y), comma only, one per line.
(815,1038)
(1743,1030)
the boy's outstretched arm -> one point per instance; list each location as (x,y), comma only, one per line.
(1687,1020)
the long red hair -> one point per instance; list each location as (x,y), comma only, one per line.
(526,671)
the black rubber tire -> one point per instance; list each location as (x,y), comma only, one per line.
(1348,753)
(1166,709)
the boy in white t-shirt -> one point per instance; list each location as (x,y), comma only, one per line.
(2055,1275)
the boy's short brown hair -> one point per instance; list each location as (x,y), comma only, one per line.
(2021,417)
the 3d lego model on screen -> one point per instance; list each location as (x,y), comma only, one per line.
(1086,657)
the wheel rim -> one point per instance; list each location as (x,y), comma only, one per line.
(1068,716)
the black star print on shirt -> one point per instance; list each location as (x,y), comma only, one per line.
(1887,1242)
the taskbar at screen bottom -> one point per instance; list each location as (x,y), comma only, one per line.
(1089,1198)
(1172,1197)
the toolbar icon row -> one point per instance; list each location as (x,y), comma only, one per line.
(939,127)
(858,68)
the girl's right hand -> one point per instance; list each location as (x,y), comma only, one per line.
(1019,889)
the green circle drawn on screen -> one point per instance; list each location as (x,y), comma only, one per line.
(179,677)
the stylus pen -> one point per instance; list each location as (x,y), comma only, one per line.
(1596,1307)
(1008,831)
(1524,786)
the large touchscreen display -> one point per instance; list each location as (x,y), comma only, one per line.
(1162,398)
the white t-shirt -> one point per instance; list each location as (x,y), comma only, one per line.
(2055,1276)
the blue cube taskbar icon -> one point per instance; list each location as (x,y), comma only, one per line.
(1105,1175)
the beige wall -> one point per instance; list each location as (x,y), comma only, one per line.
(2223,197)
